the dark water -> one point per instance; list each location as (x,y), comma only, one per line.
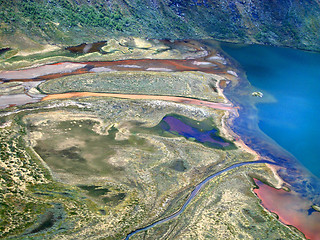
(175,124)
(203,132)
(292,77)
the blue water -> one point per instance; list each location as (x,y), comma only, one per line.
(293,78)
(174,124)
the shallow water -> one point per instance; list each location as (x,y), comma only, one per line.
(292,78)
(291,209)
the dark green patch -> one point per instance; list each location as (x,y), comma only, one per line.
(103,212)
(94,191)
(48,220)
(178,165)
(103,194)
(72,153)
(253,215)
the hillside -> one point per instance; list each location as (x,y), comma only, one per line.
(69,22)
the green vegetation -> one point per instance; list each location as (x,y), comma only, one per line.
(187,84)
(17,172)
(70,22)
(74,147)
(42,14)
(113,179)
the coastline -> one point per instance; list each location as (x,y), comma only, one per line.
(227,120)
(293,178)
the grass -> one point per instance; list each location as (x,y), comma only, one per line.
(74,147)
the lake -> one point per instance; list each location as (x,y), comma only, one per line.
(289,112)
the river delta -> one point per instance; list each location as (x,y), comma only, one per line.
(133,138)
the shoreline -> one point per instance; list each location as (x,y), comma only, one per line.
(226,130)
(295,190)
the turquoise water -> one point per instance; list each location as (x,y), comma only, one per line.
(292,77)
